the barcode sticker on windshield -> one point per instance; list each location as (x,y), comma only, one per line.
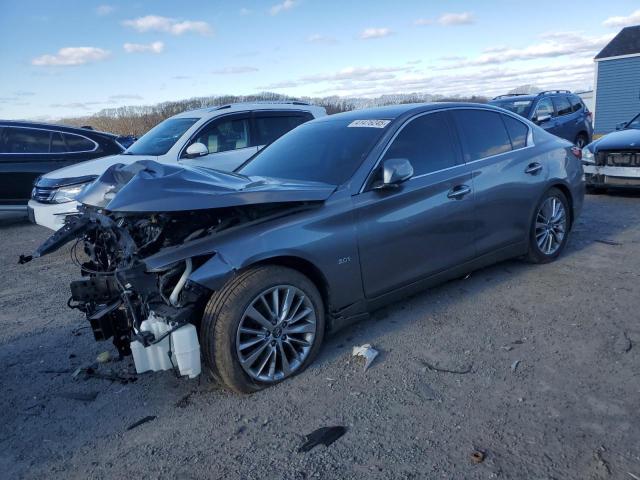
(369,123)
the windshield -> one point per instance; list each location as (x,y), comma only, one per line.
(162,137)
(327,151)
(635,123)
(521,107)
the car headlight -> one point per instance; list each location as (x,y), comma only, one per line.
(588,158)
(68,193)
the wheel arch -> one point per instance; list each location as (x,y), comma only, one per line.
(308,269)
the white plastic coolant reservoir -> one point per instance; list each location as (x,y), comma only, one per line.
(183,343)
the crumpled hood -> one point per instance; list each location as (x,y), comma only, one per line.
(149,186)
(93,167)
(624,139)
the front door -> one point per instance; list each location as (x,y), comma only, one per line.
(424,226)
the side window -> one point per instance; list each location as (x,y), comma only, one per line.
(483,132)
(269,129)
(576,104)
(25,140)
(562,105)
(76,143)
(427,142)
(57,143)
(545,107)
(225,135)
(518,131)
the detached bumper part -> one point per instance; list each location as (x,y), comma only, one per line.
(177,347)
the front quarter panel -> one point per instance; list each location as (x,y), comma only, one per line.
(323,236)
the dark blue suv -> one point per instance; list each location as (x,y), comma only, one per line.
(559,112)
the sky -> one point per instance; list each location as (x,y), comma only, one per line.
(73,58)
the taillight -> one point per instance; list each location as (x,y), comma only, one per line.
(577,152)
(590,116)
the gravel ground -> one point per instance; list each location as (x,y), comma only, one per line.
(552,393)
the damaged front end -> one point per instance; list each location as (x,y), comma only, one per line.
(148,309)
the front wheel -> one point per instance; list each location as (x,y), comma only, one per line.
(550,228)
(264,326)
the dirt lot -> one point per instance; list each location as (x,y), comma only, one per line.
(568,410)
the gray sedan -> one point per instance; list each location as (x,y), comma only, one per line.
(340,216)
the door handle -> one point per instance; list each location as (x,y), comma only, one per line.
(459,191)
(533,168)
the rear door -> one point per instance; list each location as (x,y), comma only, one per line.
(424,226)
(271,125)
(230,142)
(567,125)
(24,155)
(506,179)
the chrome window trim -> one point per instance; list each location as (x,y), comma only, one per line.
(51,131)
(530,143)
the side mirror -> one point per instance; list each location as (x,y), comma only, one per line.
(394,172)
(196,150)
(542,118)
(621,125)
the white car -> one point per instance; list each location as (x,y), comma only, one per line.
(217,137)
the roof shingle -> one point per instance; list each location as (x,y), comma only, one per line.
(627,42)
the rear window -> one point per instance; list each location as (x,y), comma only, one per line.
(521,107)
(271,128)
(76,143)
(484,133)
(576,104)
(563,107)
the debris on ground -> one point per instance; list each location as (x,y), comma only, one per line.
(477,456)
(601,463)
(58,371)
(435,368)
(92,372)
(83,397)
(142,421)
(325,436)
(104,357)
(623,343)
(514,366)
(367,352)
(184,401)
(607,242)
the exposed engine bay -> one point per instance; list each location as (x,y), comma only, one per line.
(152,313)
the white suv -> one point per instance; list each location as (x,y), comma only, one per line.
(218,137)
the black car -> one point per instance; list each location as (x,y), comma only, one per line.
(559,112)
(614,160)
(28,150)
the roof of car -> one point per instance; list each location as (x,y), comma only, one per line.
(216,110)
(54,126)
(627,42)
(392,112)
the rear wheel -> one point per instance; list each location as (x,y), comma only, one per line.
(550,228)
(264,326)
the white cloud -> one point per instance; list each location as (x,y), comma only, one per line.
(421,22)
(317,38)
(246,11)
(283,6)
(103,10)
(449,19)
(369,33)
(72,56)
(554,44)
(124,96)
(155,47)
(234,70)
(157,23)
(618,22)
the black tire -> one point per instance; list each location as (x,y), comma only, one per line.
(581,140)
(224,311)
(536,254)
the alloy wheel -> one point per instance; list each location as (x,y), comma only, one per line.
(551,225)
(276,333)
